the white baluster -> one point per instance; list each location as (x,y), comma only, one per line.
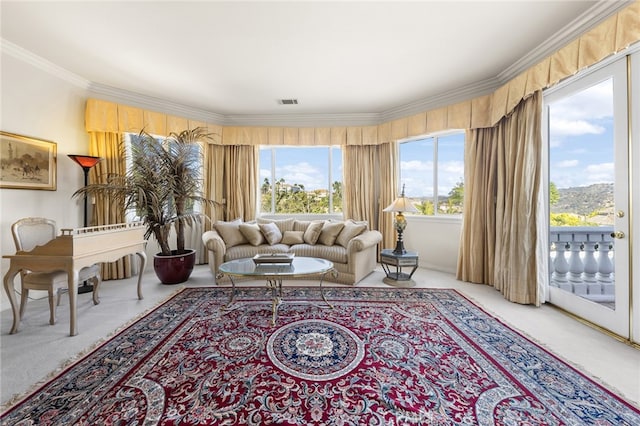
(605,266)
(561,266)
(576,268)
(591,267)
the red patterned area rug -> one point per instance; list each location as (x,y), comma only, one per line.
(378,357)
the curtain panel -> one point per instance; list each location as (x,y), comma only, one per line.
(105,212)
(499,232)
(370,184)
(240,181)
(213,187)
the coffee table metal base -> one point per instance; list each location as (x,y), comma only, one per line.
(274,283)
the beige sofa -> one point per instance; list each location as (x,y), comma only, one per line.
(350,245)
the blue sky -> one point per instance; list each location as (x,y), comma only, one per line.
(416,165)
(306,166)
(581,138)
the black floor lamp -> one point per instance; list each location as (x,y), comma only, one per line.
(86,162)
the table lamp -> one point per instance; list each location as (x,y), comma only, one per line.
(400,205)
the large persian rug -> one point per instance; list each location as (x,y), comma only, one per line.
(378,357)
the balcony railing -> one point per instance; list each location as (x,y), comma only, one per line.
(581,261)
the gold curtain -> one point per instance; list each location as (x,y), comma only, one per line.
(498,242)
(370,184)
(107,146)
(241,181)
(518,182)
(388,175)
(477,240)
(214,182)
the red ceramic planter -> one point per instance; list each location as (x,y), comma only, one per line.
(174,269)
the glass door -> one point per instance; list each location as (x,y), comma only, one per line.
(586,123)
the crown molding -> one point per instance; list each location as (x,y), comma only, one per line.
(583,23)
(451,97)
(42,64)
(304,120)
(152,103)
(601,10)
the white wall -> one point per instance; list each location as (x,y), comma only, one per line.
(37,104)
(436,239)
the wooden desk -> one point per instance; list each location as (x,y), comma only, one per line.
(72,251)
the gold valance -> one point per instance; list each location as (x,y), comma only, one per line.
(611,36)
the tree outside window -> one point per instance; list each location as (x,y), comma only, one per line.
(432,172)
(300,180)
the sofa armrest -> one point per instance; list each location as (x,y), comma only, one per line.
(363,241)
(214,242)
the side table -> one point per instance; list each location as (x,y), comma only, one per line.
(392,263)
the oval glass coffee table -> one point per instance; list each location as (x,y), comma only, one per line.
(274,273)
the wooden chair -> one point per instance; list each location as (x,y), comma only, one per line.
(36,231)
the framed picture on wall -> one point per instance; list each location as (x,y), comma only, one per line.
(27,163)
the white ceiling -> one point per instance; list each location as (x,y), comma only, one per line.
(342,60)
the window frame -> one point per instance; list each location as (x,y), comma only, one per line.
(272,179)
(436,196)
(130,214)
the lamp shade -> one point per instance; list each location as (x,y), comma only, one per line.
(401,204)
(85,161)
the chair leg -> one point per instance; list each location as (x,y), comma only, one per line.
(52,308)
(96,281)
(59,295)
(24,296)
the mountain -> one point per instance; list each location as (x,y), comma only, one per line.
(585,200)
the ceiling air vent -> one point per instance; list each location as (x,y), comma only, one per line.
(288,101)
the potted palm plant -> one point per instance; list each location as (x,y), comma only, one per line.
(162,184)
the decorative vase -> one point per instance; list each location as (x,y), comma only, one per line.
(176,268)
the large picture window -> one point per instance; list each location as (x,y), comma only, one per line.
(301,180)
(131,139)
(432,172)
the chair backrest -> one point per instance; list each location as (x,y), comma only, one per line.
(33,231)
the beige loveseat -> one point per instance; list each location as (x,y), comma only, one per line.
(350,245)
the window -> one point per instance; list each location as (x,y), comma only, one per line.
(432,171)
(131,139)
(300,180)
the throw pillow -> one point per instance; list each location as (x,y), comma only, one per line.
(293,237)
(230,232)
(312,233)
(350,231)
(301,225)
(271,232)
(252,233)
(330,231)
(283,224)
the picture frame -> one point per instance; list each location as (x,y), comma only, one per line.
(27,162)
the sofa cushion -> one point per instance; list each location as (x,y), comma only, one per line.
(230,232)
(312,233)
(330,231)
(335,253)
(247,250)
(283,224)
(271,232)
(292,237)
(351,230)
(301,225)
(252,233)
